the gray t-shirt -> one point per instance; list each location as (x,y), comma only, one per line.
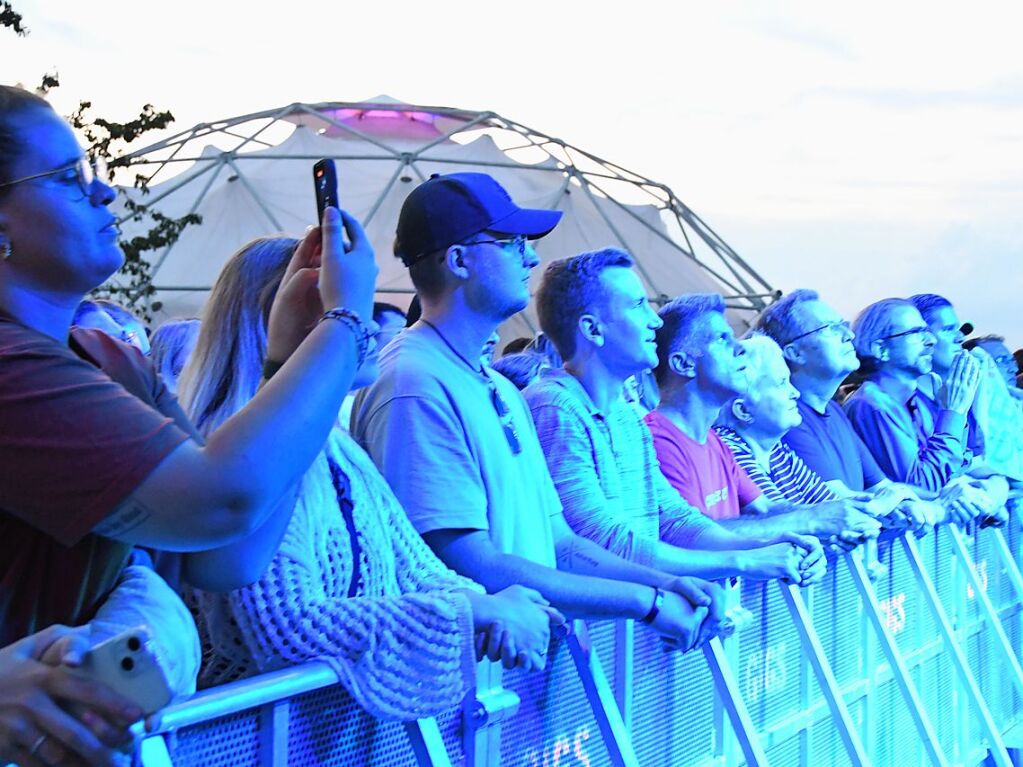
(431,426)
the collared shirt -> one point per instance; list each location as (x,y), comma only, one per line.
(909,443)
(706,475)
(787,478)
(830,446)
(973,439)
(605,470)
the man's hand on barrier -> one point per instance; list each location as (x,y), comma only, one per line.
(813,565)
(996,491)
(776,560)
(678,622)
(848,519)
(964,501)
(513,627)
(702,593)
(917,515)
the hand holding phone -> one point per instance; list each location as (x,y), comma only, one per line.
(325,185)
(127,664)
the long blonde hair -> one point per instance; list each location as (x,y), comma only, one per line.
(223,372)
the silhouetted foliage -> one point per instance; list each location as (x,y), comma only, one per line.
(11,19)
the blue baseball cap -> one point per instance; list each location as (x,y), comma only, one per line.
(445,210)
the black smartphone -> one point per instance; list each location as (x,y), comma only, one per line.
(325,182)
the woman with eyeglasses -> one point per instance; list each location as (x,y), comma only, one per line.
(351,581)
(96,457)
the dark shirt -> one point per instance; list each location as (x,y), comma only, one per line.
(830,446)
(81,427)
(909,443)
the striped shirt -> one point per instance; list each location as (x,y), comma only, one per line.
(787,477)
(605,470)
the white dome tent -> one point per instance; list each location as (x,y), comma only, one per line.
(250,176)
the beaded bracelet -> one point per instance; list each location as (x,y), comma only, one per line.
(357,326)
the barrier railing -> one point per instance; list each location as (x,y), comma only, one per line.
(906,656)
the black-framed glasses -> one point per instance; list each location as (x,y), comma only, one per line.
(919,330)
(504,414)
(86,173)
(839,327)
(519,242)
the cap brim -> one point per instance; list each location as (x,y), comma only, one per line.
(528,222)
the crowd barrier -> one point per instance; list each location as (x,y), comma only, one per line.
(906,655)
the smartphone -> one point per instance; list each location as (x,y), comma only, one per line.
(325,183)
(127,665)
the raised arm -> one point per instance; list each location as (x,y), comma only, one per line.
(205,496)
(893,443)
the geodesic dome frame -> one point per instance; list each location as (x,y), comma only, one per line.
(252,170)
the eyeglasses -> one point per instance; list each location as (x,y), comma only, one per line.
(839,327)
(504,414)
(519,242)
(86,172)
(917,331)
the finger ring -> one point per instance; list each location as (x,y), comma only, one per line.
(37,745)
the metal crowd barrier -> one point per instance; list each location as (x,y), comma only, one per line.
(906,655)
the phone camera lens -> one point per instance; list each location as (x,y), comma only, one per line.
(134,644)
(127,664)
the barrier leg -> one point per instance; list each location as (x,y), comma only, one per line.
(483,711)
(999,755)
(625,652)
(738,714)
(427,743)
(1011,566)
(825,676)
(1015,671)
(598,692)
(897,663)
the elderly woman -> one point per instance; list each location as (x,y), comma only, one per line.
(351,583)
(752,425)
(96,457)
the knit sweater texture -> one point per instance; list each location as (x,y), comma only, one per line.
(378,606)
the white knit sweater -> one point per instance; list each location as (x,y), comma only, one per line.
(402,643)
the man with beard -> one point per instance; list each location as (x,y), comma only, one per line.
(911,443)
(818,347)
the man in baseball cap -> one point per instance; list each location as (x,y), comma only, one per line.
(449,209)
(455,439)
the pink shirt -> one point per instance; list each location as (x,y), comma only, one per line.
(705,475)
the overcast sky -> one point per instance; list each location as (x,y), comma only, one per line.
(866,150)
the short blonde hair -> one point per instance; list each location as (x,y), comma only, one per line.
(761,351)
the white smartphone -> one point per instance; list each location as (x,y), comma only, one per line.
(127,665)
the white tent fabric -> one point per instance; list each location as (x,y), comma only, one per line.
(242,195)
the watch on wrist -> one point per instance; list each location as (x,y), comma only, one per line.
(655,608)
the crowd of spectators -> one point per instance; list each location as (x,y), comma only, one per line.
(388,493)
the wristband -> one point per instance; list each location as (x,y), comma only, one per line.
(351,319)
(655,608)
(270,367)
